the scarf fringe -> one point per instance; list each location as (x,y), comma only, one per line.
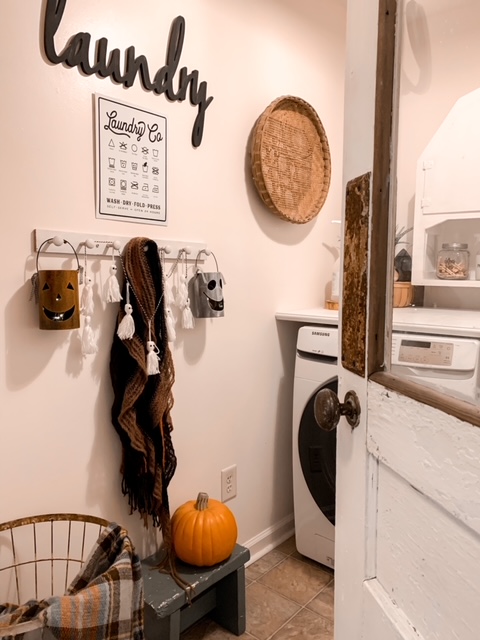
(168,565)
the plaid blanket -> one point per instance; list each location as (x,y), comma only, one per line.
(104,601)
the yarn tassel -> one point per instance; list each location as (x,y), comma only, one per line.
(168,293)
(111,291)
(88,339)
(182,292)
(188,321)
(152,358)
(152,354)
(171,333)
(86,302)
(126,328)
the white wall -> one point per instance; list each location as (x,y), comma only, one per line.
(233,375)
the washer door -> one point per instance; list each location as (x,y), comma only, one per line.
(317,452)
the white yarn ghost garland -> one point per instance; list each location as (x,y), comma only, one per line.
(89,345)
(152,358)
(86,300)
(168,297)
(111,289)
(126,328)
(188,321)
(182,300)
(170,322)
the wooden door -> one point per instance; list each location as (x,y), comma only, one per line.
(407,552)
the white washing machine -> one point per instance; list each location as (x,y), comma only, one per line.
(437,348)
(314,450)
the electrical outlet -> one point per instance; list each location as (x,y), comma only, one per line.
(229,483)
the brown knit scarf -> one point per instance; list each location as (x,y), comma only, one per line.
(142,403)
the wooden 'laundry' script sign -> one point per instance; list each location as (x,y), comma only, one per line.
(77,54)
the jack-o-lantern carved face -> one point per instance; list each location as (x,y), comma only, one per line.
(58,300)
(208,295)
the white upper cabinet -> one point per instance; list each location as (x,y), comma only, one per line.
(447,198)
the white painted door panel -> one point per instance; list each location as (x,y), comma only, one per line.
(382,618)
(427,562)
(436,453)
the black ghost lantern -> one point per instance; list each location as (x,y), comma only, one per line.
(206,293)
(57,295)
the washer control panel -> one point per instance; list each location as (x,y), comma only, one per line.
(426,352)
(434,352)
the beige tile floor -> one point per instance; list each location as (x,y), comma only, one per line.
(287,596)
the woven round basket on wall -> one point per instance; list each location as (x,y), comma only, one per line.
(290,159)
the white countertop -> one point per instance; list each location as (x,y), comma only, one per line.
(316,315)
(413,319)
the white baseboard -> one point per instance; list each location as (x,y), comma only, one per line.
(270,538)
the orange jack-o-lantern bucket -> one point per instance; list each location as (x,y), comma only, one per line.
(57,295)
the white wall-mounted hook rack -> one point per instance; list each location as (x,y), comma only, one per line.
(101,245)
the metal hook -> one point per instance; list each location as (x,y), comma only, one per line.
(57,241)
(207,252)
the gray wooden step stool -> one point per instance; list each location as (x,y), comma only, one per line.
(219,589)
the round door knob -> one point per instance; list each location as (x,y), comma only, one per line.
(327,409)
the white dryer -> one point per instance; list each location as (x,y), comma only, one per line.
(314,450)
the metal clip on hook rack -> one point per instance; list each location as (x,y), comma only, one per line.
(101,245)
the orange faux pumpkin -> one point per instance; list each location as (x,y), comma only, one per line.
(204,531)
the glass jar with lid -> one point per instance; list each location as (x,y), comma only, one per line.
(453,261)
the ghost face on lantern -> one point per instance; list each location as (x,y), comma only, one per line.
(208,294)
(58,299)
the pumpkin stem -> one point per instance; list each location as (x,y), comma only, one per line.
(202,501)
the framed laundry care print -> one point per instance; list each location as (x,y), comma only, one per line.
(131,156)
